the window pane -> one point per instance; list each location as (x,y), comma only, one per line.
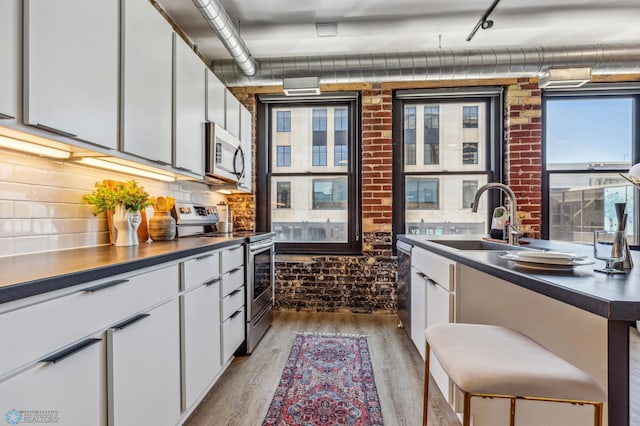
(433,207)
(318,209)
(587,133)
(340,155)
(581,203)
(410,135)
(283,121)
(284,156)
(469,153)
(470,117)
(283,195)
(448,145)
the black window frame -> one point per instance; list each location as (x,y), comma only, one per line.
(264,173)
(493,99)
(590,91)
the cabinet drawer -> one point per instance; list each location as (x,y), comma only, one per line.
(232,258)
(435,267)
(72,387)
(232,280)
(200,269)
(232,334)
(233,302)
(52,324)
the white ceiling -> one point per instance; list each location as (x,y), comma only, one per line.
(284,28)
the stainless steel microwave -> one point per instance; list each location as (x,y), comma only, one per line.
(224,156)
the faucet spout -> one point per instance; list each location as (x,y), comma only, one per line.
(513,232)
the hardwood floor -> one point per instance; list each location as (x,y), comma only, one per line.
(243,394)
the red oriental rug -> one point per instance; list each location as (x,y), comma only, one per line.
(327,381)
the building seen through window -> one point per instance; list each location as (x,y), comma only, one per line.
(312,189)
(284,121)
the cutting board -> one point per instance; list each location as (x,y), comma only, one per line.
(143,230)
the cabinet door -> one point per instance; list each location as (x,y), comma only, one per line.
(71,68)
(215,99)
(418,315)
(69,389)
(232,115)
(233,334)
(189,108)
(200,312)
(10,58)
(246,136)
(146,82)
(143,366)
(439,311)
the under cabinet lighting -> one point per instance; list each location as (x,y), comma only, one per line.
(33,148)
(105,164)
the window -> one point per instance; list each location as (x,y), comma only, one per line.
(341,124)
(422,193)
(310,209)
(283,195)
(470,153)
(410,135)
(589,138)
(469,189)
(329,194)
(319,137)
(284,121)
(470,117)
(431,135)
(284,156)
(434,192)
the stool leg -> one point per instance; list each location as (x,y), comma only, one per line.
(597,414)
(466,412)
(426,387)
(512,416)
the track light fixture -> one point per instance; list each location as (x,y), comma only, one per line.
(484,22)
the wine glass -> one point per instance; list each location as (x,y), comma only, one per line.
(610,247)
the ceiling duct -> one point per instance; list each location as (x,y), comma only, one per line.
(221,23)
(437,65)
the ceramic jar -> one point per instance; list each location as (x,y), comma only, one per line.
(162,226)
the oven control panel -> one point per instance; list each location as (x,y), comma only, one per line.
(194,214)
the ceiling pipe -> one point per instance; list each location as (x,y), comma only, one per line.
(509,62)
(221,23)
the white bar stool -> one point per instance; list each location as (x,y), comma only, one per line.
(496,362)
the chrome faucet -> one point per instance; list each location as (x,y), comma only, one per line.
(513,225)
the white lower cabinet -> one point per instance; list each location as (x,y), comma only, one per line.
(200,311)
(66,388)
(233,330)
(432,302)
(143,368)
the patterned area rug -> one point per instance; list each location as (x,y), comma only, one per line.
(327,381)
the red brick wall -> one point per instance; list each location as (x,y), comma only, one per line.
(523,155)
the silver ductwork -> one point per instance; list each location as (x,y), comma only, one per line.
(506,62)
(221,23)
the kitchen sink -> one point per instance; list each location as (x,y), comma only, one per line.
(478,245)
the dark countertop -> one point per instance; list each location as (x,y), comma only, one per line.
(616,297)
(31,274)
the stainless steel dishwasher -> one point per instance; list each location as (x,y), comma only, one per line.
(404,286)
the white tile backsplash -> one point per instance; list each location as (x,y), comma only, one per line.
(41,205)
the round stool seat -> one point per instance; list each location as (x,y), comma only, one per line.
(488,359)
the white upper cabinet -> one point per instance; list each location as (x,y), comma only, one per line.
(71,68)
(10,57)
(189,108)
(146,82)
(232,116)
(215,99)
(246,137)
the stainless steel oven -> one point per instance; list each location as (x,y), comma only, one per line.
(260,278)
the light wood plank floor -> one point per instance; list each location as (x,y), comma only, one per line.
(243,394)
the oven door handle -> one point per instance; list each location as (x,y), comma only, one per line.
(260,246)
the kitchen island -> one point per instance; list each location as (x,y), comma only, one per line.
(582,315)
